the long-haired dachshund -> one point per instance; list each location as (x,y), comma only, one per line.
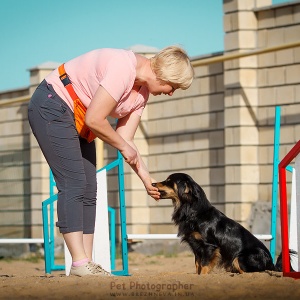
(215,239)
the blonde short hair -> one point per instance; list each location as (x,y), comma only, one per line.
(172,65)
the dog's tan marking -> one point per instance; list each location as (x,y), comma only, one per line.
(176,200)
(196,235)
(205,270)
(175,188)
(198,266)
(214,261)
(187,189)
(236,265)
(170,193)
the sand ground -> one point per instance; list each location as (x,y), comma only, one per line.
(152,277)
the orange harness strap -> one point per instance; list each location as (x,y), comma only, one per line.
(79,108)
(66,82)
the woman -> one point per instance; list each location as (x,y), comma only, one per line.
(108,82)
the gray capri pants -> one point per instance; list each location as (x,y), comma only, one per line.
(71,158)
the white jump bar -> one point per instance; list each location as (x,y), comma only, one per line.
(154,236)
(21,241)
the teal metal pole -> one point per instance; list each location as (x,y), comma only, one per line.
(52,227)
(123,215)
(47,245)
(51,206)
(275,182)
(46,239)
(49,228)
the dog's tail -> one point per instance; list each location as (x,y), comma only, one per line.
(278,265)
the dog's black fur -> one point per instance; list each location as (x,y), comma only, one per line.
(215,239)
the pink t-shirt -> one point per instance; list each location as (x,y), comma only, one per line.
(114,69)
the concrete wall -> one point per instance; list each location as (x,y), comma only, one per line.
(15,215)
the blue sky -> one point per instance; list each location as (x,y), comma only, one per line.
(36,31)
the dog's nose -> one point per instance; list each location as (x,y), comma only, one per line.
(154,184)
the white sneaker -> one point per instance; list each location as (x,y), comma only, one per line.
(90,268)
